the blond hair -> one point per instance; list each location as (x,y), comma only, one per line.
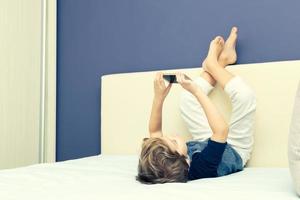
(159,164)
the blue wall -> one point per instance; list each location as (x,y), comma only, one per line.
(97,37)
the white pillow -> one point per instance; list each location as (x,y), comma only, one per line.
(294,143)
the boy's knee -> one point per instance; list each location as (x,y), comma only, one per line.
(246,95)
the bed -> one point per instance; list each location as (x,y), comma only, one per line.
(126,102)
(112,177)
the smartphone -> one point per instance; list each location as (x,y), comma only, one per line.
(170,78)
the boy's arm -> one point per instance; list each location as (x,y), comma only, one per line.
(160,93)
(215,119)
(155,122)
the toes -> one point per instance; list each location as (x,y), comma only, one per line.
(216,44)
(233,32)
(232,37)
(221,41)
(234,29)
(218,40)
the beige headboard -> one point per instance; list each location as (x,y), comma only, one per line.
(127,99)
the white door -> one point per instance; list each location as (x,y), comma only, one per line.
(22,82)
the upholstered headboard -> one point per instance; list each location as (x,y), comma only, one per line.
(127,100)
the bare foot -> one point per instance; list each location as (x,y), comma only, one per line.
(228,55)
(215,48)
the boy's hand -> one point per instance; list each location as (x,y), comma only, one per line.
(160,89)
(186,82)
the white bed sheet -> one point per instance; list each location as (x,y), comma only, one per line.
(113,177)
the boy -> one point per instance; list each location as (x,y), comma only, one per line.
(217,149)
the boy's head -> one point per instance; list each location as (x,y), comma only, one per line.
(163,160)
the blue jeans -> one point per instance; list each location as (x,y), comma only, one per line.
(231,160)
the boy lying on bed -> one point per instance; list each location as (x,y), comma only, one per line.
(217,149)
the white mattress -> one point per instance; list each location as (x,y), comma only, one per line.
(113,177)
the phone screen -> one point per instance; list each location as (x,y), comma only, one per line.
(170,78)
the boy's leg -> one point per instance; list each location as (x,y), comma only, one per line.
(243,106)
(191,110)
(241,126)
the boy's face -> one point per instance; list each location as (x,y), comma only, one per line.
(176,143)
